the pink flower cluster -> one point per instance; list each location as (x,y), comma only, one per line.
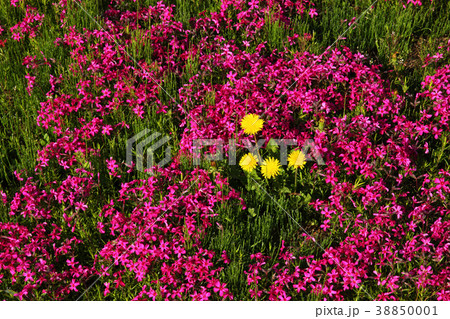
(166,236)
(28,26)
(2,42)
(400,237)
(163,235)
(388,217)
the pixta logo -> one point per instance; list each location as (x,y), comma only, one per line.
(308,148)
(148,148)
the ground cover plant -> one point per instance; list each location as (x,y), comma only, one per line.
(357,210)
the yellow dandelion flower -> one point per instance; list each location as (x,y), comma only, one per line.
(270,167)
(296,159)
(251,124)
(248,162)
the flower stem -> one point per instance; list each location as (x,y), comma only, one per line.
(295,180)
